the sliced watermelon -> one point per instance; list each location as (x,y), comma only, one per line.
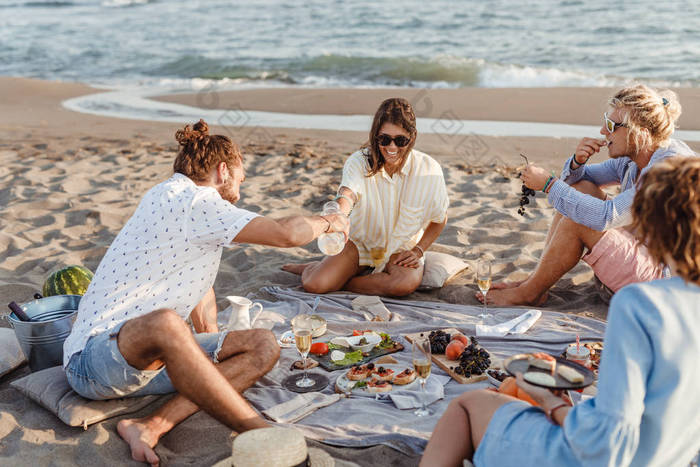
(71,280)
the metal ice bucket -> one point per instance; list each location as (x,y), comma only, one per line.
(42,338)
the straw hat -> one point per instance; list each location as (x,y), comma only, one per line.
(274,447)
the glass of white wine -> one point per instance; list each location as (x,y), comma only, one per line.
(302,338)
(421,363)
(483,281)
(377,254)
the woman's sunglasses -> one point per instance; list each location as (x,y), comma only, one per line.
(400,140)
(610,125)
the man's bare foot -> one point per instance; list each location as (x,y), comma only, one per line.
(512,296)
(140,439)
(505,285)
(296,268)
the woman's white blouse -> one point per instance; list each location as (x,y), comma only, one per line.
(392,211)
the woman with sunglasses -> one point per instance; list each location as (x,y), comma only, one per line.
(397,202)
(637,132)
(646,410)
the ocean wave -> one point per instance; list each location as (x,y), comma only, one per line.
(125,3)
(197,66)
(518,76)
(39,4)
(65,3)
(399,71)
(347,70)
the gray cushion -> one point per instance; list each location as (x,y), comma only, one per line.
(50,389)
(11,355)
(439,268)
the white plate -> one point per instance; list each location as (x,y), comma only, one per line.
(493,380)
(343,382)
(372,341)
(317,323)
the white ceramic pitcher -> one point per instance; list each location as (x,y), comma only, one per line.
(241,310)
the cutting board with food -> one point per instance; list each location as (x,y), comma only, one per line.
(460,356)
(345,351)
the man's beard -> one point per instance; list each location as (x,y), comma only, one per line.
(227,192)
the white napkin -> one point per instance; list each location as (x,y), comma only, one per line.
(515,326)
(577,397)
(412,398)
(301,406)
(372,307)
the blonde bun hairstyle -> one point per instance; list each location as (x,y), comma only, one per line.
(650,115)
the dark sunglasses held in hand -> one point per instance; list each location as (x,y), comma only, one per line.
(400,141)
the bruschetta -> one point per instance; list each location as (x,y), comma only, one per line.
(383,374)
(358,373)
(378,386)
(406,376)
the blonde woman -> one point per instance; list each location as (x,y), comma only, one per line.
(397,201)
(647,406)
(637,130)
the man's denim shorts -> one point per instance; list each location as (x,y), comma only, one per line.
(100,371)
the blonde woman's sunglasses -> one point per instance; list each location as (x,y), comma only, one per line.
(610,125)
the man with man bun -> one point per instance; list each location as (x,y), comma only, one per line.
(637,132)
(130,337)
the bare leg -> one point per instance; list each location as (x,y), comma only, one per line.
(395,281)
(550,234)
(462,427)
(244,357)
(298,268)
(340,272)
(505,285)
(583,186)
(331,273)
(563,253)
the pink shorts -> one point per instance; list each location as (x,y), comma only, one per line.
(618,259)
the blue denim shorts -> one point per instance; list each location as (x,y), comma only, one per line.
(100,371)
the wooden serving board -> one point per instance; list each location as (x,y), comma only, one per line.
(442,361)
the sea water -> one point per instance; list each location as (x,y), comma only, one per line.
(334,43)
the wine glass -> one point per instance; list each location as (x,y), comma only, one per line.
(483,281)
(421,363)
(377,254)
(302,337)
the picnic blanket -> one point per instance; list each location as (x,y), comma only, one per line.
(362,421)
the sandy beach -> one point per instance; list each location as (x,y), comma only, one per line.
(69,182)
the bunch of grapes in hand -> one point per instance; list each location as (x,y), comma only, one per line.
(524,200)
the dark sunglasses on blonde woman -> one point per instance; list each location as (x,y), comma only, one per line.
(400,141)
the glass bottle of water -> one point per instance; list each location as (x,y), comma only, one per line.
(331,244)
